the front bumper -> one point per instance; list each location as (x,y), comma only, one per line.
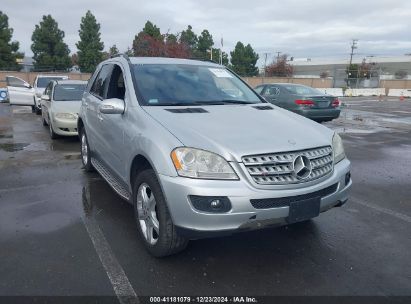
(65,127)
(242,216)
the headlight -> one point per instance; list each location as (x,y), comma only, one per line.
(338,149)
(65,116)
(196,163)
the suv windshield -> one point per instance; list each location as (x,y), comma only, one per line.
(302,90)
(64,92)
(180,84)
(42,82)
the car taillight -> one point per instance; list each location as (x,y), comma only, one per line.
(336,102)
(304,102)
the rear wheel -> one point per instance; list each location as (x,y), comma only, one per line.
(37,110)
(85,152)
(153,217)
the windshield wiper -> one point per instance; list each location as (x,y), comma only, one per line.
(234,101)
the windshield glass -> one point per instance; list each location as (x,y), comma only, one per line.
(177,84)
(64,92)
(302,90)
(42,82)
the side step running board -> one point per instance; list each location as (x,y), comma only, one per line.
(110,179)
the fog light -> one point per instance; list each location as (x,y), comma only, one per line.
(347,178)
(215,204)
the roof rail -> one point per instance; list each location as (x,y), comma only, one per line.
(124,55)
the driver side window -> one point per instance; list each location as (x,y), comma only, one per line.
(116,86)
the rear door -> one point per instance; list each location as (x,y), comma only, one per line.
(20,92)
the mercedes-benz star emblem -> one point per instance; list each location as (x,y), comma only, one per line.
(302,166)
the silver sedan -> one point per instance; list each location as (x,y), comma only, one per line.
(60,106)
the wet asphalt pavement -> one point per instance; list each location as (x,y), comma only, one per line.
(50,211)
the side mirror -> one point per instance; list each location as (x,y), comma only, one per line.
(112,106)
(45,97)
(28,86)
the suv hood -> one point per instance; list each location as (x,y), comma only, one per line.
(233,131)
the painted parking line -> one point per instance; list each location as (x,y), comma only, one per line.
(398,215)
(118,278)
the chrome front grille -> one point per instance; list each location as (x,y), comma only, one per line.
(278,168)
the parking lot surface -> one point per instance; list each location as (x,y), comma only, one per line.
(65,232)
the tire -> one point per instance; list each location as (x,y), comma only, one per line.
(38,111)
(164,240)
(53,134)
(85,152)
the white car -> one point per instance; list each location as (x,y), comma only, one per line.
(40,83)
(20,92)
(60,106)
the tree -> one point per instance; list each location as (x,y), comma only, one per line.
(8,49)
(113,50)
(151,43)
(216,57)
(204,45)
(90,48)
(152,30)
(189,38)
(243,60)
(280,68)
(50,51)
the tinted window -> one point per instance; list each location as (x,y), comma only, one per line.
(42,82)
(302,90)
(65,92)
(259,89)
(116,87)
(272,91)
(178,84)
(15,82)
(100,85)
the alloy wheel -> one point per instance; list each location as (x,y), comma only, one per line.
(147,214)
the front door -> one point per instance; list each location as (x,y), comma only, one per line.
(20,92)
(92,101)
(113,127)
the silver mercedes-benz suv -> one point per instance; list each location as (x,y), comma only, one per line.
(199,153)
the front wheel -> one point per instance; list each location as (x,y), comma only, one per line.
(153,217)
(53,135)
(85,152)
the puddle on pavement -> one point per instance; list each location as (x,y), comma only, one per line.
(12,147)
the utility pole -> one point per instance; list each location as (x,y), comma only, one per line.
(265,64)
(353,47)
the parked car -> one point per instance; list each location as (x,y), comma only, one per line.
(61,104)
(300,99)
(199,153)
(20,92)
(40,84)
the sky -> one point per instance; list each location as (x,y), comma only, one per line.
(302,29)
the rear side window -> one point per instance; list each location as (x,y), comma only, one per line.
(100,84)
(259,89)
